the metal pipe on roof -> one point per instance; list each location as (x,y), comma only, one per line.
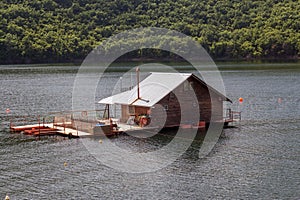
(138,82)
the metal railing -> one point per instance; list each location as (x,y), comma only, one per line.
(233,116)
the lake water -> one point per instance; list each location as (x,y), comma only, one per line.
(258,160)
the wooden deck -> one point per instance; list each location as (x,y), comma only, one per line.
(107,127)
(48,130)
(51,130)
(66,129)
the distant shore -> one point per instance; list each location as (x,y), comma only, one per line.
(149,60)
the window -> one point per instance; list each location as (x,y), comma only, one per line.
(188,86)
(131,110)
(191,85)
(185,86)
(166,107)
(172,95)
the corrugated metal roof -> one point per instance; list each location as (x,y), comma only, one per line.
(152,89)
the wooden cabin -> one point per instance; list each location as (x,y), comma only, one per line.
(160,98)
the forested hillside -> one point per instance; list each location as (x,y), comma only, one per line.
(66,30)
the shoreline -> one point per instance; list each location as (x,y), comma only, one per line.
(158,60)
(179,66)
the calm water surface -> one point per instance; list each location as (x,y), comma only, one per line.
(258,160)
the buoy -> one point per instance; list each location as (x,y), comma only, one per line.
(65,164)
(100,141)
(241,100)
(279,100)
(7,110)
(7,197)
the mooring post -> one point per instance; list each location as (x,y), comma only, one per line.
(39,125)
(64,126)
(7,111)
(10,123)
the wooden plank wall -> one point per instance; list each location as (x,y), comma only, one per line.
(185,95)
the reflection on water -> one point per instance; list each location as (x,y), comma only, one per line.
(258,159)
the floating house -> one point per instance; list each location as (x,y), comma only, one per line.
(160,98)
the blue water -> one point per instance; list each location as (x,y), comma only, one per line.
(258,160)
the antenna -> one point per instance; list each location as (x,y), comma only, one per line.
(138,82)
(138,87)
(131,81)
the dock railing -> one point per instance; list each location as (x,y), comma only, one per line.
(84,120)
(20,120)
(232,116)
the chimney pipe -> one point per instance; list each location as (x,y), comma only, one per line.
(138,82)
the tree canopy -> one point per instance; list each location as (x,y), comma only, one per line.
(37,31)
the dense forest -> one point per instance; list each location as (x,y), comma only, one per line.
(40,31)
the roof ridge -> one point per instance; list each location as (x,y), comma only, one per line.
(185,73)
